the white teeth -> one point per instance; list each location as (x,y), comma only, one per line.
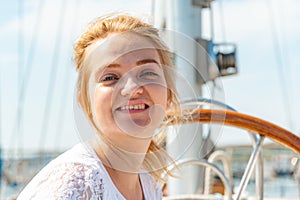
(133,107)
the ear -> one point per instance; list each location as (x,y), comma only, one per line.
(168,105)
(169,100)
(79,99)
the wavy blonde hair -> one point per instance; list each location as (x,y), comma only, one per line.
(156,160)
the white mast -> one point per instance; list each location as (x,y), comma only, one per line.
(184,22)
(182,17)
(195,65)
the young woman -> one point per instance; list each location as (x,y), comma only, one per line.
(125,89)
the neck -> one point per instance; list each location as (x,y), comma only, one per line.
(127,159)
(128,184)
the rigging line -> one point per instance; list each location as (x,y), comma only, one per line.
(285,52)
(16,141)
(214,87)
(153,4)
(25,75)
(214,83)
(66,86)
(52,79)
(222,16)
(20,72)
(1,143)
(278,55)
(34,39)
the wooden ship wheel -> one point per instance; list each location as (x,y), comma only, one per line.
(259,128)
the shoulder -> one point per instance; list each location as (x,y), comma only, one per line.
(79,153)
(72,175)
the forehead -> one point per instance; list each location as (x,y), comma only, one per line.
(119,46)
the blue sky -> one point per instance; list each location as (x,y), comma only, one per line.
(266,33)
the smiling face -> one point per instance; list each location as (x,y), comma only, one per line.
(127,87)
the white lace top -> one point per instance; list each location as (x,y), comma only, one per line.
(77,174)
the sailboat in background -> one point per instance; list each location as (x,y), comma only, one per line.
(21,163)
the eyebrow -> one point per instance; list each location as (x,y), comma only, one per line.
(139,62)
(145,61)
(100,69)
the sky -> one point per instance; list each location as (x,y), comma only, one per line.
(37,41)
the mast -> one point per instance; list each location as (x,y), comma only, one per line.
(193,63)
(183,25)
(183,18)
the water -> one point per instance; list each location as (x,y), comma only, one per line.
(281,187)
(9,192)
(17,172)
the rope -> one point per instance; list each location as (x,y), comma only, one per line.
(279,57)
(52,80)
(18,126)
(66,86)
(0,114)
(31,55)
(223,29)
(24,75)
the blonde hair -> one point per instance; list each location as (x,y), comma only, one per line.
(156,159)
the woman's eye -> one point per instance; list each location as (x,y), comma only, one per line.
(149,74)
(109,78)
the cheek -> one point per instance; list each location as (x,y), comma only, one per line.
(159,95)
(102,103)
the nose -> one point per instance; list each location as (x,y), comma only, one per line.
(131,88)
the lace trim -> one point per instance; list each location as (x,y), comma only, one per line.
(71,181)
